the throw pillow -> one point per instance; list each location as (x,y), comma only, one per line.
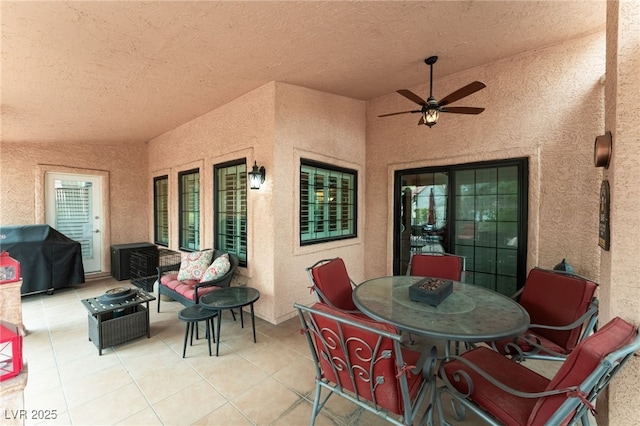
(194,264)
(218,268)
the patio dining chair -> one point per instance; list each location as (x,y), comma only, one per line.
(437,265)
(563,311)
(362,361)
(503,392)
(332,285)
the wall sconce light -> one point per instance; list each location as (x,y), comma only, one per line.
(256,176)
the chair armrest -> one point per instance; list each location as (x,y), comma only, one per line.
(463,376)
(166,268)
(592,313)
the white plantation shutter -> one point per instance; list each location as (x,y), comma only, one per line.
(73,213)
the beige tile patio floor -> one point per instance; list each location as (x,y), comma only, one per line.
(147,382)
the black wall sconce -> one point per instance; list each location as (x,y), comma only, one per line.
(256,176)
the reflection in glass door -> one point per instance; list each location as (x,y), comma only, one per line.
(477,210)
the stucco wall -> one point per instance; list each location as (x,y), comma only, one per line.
(620,283)
(274,125)
(546,105)
(124,166)
(321,127)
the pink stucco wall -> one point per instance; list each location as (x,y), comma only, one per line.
(546,105)
(275,125)
(124,167)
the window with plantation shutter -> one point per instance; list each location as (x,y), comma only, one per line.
(73,213)
(328,207)
(161,210)
(230,194)
(189,209)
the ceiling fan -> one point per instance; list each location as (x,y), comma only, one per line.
(431,107)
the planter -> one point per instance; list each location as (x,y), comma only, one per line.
(430,290)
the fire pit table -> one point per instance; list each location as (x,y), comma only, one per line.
(118,316)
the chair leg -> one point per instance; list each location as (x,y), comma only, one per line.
(158,301)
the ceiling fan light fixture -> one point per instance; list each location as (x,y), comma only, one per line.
(431,116)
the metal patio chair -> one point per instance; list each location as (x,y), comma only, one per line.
(332,285)
(503,392)
(362,360)
(563,311)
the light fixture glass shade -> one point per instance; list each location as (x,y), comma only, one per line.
(256,176)
(431,117)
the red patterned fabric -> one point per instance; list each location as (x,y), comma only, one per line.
(387,393)
(436,266)
(332,279)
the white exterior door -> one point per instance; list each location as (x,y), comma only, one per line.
(74,208)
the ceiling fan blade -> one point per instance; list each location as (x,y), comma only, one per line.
(462,92)
(412,97)
(401,112)
(463,110)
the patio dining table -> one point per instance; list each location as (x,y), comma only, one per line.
(469,314)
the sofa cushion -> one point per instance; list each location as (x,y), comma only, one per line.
(188,290)
(218,268)
(194,264)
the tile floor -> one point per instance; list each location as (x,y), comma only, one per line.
(147,382)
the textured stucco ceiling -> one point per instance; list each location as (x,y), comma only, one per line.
(129,71)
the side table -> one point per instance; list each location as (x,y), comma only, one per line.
(111,324)
(230,298)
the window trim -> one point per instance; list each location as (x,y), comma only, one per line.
(301,219)
(180,209)
(216,200)
(156,212)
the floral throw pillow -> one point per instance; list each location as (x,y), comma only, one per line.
(218,268)
(194,264)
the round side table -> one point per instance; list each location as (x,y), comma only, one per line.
(192,315)
(229,298)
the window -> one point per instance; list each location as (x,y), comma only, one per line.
(189,209)
(161,210)
(328,207)
(230,198)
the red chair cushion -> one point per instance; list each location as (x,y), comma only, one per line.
(509,409)
(436,266)
(552,298)
(186,288)
(582,362)
(387,393)
(332,279)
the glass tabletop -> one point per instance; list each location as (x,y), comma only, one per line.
(471,313)
(230,297)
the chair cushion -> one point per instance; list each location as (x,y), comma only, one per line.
(387,392)
(509,409)
(553,298)
(581,362)
(193,265)
(218,268)
(436,266)
(332,279)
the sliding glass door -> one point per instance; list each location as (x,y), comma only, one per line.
(478,211)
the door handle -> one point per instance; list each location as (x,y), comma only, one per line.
(96,231)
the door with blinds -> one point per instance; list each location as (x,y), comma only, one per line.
(74,208)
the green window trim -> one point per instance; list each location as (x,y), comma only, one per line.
(328,202)
(230,206)
(189,209)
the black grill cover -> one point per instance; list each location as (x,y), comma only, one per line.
(48,259)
